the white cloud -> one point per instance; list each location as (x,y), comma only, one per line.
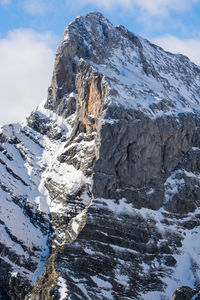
(160,7)
(157,8)
(188,47)
(35,7)
(151,7)
(26,61)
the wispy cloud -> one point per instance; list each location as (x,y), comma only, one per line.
(26,61)
(188,47)
(35,7)
(158,7)
(5,2)
(151,7)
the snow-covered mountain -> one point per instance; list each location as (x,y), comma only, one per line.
(100,185)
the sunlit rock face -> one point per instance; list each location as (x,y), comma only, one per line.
(100,186)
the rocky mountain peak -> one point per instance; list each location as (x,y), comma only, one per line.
(92,33)
(104,174)
(135,69)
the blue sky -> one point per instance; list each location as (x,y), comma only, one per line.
(31,29)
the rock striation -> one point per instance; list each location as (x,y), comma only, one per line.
(100,186)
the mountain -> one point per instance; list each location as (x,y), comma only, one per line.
(100,185)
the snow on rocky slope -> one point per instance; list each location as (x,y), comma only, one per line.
(28,163)
(100,186)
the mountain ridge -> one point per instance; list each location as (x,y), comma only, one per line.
(121,127)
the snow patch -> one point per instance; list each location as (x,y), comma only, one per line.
(173,185)
(63,290)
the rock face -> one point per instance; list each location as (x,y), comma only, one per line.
(186,293)
(104,176)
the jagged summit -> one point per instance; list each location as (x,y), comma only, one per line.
(99,187)
(139,73)
(91,16)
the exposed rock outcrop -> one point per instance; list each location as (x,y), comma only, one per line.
(122,123)
(186,293)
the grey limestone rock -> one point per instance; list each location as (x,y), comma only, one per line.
(107,175)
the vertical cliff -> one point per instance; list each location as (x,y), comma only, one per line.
(107,174)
